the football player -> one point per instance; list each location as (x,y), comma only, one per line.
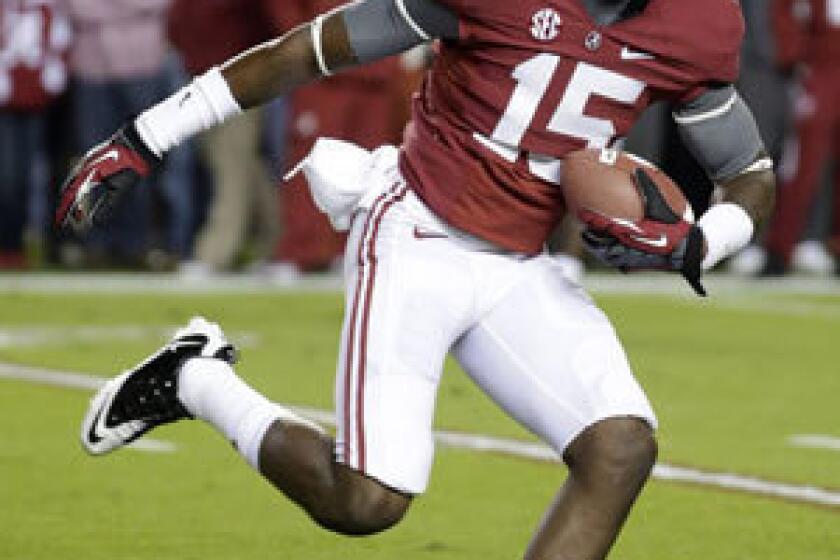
(808,38)
(449,257)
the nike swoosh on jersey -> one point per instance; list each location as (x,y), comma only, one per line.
(629,54)
(660,243)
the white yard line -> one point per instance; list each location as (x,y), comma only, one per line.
(599,282)
(748,484)
(815,441)
(78,381)
(778,307)
(51,377)
(489,444)
(142,283)
(25,336)
(29,336)
(153,445)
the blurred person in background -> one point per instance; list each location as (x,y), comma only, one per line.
(808,36)
(764,88)
(207,33)
(761,83)
(368,106)
(119,66)
(34,38)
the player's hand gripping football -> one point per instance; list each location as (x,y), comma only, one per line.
(104,173)
(662,240)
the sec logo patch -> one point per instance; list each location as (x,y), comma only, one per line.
(545,24)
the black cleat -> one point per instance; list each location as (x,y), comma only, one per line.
(146,396)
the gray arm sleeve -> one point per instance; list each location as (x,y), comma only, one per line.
(380,28)
(719,130)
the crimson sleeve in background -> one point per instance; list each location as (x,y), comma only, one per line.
(286,14)
(209,33)
(791,32)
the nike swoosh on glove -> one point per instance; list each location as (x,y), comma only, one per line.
(662,240)
(106,172)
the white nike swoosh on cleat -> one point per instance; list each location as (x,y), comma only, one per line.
(96,436)
(660,243)
(93,433)
(629,54)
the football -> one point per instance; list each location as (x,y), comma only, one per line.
(604,181)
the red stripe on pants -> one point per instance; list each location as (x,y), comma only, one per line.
(372,222)
(372,260)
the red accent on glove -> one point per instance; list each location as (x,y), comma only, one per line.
(98,165)
(647,235)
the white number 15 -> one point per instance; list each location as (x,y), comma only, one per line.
(533,78)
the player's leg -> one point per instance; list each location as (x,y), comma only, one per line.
(262,216)
(609,464)
(403,311)
(300,462)
(392,354)
(550,358)
(192,377)
(295,455)
(802,167)
(264,206)
(228,151)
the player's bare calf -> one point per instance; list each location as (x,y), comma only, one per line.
(299,462)
(192,377)
(609,464)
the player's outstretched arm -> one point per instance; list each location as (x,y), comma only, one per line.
(354,34)
(281,65)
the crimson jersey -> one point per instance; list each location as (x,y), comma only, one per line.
(529,81)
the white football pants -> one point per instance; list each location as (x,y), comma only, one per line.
(530,338)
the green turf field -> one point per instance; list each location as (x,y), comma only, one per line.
(731,379)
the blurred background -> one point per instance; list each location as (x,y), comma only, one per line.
(72,71)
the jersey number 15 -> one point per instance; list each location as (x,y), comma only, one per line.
(533,78)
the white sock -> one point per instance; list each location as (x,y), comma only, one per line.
(211,390)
